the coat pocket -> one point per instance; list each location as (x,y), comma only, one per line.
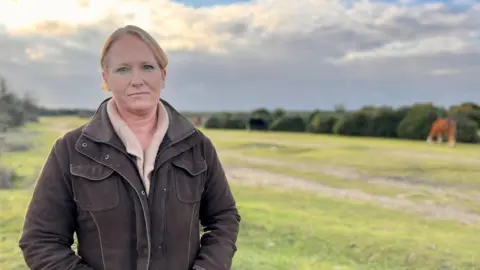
(95,187)
(189,178)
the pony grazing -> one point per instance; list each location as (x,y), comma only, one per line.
(443,127)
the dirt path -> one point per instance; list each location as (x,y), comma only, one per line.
(347,173)
(414,154)
(421,155)
(255,177)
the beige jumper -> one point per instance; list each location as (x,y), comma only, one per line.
(145,160)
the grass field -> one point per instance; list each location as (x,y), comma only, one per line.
(317,201)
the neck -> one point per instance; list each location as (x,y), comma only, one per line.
(142,124)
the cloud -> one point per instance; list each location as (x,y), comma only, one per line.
(443,72)
(301,54)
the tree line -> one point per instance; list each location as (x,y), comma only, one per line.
(408,122)
(15,110)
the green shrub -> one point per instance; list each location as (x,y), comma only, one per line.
(217,121)
(225,121)
(385,122)
(321,124)
(466,130)
(289,123)
(417,122)
(354,124)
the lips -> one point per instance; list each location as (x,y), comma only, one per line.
(138,94)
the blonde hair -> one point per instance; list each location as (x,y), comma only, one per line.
(158,52)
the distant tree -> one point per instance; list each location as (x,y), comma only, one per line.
(289,123)
(417,122)
(15,111)
(340,108)
(321,123)
(354,124)
(277,113)
(312,115)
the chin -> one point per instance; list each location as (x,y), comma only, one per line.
(143,105)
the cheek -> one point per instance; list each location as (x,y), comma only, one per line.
(155,81)
(116,80)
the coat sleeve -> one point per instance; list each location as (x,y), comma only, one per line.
(219,217)
(50,220)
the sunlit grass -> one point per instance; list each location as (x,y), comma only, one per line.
(297,230)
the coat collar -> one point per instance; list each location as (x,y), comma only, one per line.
(100,129)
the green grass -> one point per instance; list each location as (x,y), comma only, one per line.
(27,164)
(321,178)
(297,230)
(333,141)
(12,208)
(419,194)
(435,164)
(290,230)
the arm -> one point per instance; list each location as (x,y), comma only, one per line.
(50,220)
(219,216)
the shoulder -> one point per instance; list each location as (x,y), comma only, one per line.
(65,144)
(209,151)
(205,141)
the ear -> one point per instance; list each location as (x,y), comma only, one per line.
(164,73)
(104,76)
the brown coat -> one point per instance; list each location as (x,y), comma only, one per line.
(90,185)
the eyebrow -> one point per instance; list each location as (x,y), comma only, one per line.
(143,62)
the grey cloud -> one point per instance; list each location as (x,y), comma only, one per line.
(236,29)
(272,69)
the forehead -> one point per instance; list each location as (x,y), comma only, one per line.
(129,48)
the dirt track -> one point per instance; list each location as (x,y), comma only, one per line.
(249,176)
(348,173)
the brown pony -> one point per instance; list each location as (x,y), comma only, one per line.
(443,127)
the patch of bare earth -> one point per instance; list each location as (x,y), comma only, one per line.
(409,154)
(348,173)
(255,177)
(250,176)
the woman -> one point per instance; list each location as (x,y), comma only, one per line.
(135,182)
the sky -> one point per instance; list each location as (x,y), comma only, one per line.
(227,55)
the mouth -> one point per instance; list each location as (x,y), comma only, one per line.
(138,94)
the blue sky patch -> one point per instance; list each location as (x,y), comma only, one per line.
(208,3)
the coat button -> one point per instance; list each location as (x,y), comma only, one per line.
(143,192)
(84,145)
(107,156)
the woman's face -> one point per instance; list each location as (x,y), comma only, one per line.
(133,75)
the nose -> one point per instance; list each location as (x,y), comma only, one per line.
(137,78)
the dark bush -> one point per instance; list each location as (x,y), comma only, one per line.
(311,115)
(289,123)
(385,122)
(417,122)
(321,124)
(256,123)
(235,122)
(217,121)
(466,110)
(225,121)
(354,124)
(277,113)
(466,130)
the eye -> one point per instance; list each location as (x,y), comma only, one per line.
(122,69)
(148,67)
